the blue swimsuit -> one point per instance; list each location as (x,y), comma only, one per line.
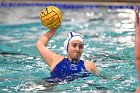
(67,70)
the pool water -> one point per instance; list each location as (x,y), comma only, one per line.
(109,43)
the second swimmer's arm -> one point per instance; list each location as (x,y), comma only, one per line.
(137,41)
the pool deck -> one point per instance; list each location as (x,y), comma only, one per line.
(87,2)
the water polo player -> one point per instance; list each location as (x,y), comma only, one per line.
(62,67)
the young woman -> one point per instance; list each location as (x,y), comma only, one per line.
(62,67)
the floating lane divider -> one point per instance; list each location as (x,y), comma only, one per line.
(65,6)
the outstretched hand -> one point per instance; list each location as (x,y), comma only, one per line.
(55,29)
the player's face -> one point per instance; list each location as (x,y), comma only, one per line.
(75,49)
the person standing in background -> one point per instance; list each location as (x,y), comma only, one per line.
(137,45)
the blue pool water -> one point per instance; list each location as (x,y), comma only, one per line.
(109,43)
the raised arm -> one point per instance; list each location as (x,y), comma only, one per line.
(46,53)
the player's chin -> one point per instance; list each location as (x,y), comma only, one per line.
(76,57)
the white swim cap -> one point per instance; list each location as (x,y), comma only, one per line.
(72,36)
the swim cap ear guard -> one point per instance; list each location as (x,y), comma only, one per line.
(72,36)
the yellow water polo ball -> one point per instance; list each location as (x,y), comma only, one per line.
(51,17)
